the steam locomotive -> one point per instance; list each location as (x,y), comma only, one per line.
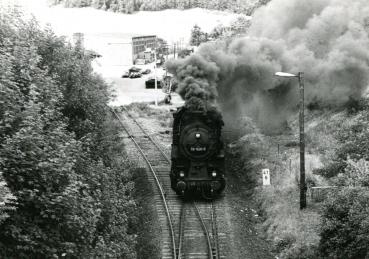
(197,153)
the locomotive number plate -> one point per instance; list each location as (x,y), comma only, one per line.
(198,149)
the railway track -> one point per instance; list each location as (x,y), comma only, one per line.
(189,229)
(198,237)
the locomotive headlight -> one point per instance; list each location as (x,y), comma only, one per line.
(198,135)
(214,174)
(181,174)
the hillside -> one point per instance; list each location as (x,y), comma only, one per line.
(171,25)
(130,6)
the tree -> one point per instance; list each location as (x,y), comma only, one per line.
(59,151)
(240,25)
(7,200)
(197,36)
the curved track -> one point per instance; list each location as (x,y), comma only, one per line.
(189,229)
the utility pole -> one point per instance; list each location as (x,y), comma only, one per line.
(302,143)
(156,82)
(167,50)
(303,187)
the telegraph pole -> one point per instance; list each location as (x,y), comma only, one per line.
(156,82)
(303,188)
(302,143)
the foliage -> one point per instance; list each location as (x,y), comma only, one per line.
(353,138)
(59,151)
(356,174)
(148,242)
(295,233)
(237,27)
(161,47)
(198,36)
(345,225)
(292,232)
(129,6)
(7,200)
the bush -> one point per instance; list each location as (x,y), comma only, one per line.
(345,225)
(356,174)
(353,138)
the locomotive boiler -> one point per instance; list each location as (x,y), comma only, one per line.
(197,153)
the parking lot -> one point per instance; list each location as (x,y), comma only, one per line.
(129,90)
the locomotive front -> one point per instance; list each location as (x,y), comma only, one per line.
(197,153)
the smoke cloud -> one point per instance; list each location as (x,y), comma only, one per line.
(196,79)
(325,39)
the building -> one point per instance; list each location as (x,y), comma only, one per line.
(140,44)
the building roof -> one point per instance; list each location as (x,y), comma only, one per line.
(143,36)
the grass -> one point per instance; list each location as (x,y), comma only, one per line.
(293,233)
(143,110)
(148,241)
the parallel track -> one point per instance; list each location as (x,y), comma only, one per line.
(193,235)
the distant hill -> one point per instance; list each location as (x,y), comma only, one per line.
(129,6)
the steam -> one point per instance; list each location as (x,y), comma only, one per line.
(325,39)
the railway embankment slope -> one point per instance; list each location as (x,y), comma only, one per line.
(336,155)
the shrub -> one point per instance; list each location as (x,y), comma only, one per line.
(356,174)
(345,225)
(353,138)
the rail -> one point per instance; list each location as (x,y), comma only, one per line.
(162,193)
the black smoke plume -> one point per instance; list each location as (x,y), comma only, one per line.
(196,80)
(325,39)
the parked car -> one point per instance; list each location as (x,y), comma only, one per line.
(150,83)
(135,75)
(146,71)
(134,69)
(125,74)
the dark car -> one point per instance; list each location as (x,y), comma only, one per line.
(125,74)
(151,83)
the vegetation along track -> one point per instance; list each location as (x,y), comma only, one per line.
(189,229)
